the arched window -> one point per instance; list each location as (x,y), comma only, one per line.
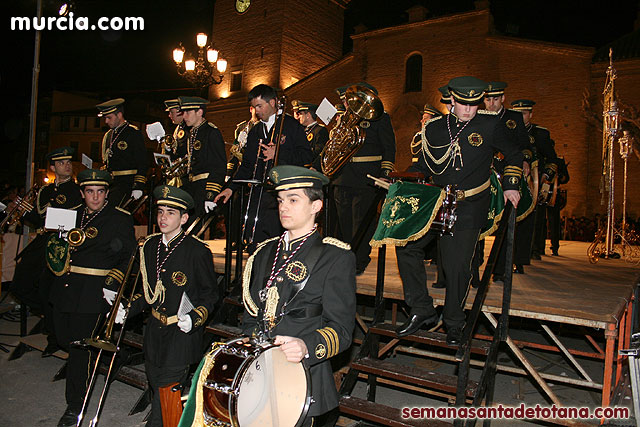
(413,74)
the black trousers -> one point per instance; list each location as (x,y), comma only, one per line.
(160,376)
(120,190)
(30,266)
(522,244)
(553,215)
(540,230)
(352,205)
(456,256)
(74,327)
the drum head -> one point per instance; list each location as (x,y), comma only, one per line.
(272,392)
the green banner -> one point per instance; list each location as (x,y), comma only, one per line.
(57,255)
(495,208)
(407,213)
(526,203)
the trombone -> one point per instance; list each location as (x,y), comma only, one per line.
(267,165)
(105,340)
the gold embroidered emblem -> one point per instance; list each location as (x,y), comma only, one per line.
(93,175)
(91,232)
(65,152)
(511,124)
(321,351)
(296,271)
(165,192)
(365,124)
(276,177)
(513,180)
(197,145)
(209,195)
(181,134)
(472,92)
(309,137)
(179,278)
(532,139)
(475,139)
(60,199)
(108,281)
(122,145)
(393,206)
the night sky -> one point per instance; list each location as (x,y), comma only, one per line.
(140,61)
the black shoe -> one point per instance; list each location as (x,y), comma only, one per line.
(498,278)
(454,335)
(439,285)
(554,252)
(415,321)
(359,272)
(536,256)
(519,268)
(475,281)
(69,419)
(50,349)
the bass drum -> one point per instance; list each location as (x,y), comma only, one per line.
(253,384)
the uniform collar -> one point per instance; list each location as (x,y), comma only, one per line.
(58,183)
(270,121)
(288,243)
(173,240)
(310,126)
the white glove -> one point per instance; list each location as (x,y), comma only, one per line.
(136,194)
(184,323)
(209,206)
(121,314)
(109,295)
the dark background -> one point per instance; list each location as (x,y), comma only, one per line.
(119,62)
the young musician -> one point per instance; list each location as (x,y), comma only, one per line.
(301,290)
(99,249)
(179,287)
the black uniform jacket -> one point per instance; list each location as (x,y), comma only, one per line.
(478,140)
(321,313)
(108,245)
(208,157)
(516,135)
(376,157)
(189,269)
(317,135)
(123,150)
(294,148)
(542,147)
(63,196)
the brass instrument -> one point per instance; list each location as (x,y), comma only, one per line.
(347,136)
(23,205)
(105,341)
(168,144)
(256,183)
(76,237)
(173,174)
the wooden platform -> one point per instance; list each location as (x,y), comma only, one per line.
(565,289)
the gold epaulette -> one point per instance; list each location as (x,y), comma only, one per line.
(248,302)
(123,210)
(146,239)
(212,125)
(199,240)
(336,242)
(433,119)
(488,113)
(76,207)
(134,126)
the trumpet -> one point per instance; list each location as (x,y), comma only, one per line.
(174,173)
(23,205)
(168,144)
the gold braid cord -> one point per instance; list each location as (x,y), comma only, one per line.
(156,294)
(335,242)
(198,416)
(248,302)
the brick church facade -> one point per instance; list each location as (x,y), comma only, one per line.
(297,47)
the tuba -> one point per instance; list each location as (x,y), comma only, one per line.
(347,136)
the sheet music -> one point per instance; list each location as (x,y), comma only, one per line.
(185,305)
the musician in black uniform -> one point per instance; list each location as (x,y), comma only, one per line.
(207,159)
(181,131)
(31,283)
(457,150)
(179,287)
(258,158)
(545,158)
(123,153)
(301,287)
(353,192)
(104,241)
(517,134)
(317,134)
